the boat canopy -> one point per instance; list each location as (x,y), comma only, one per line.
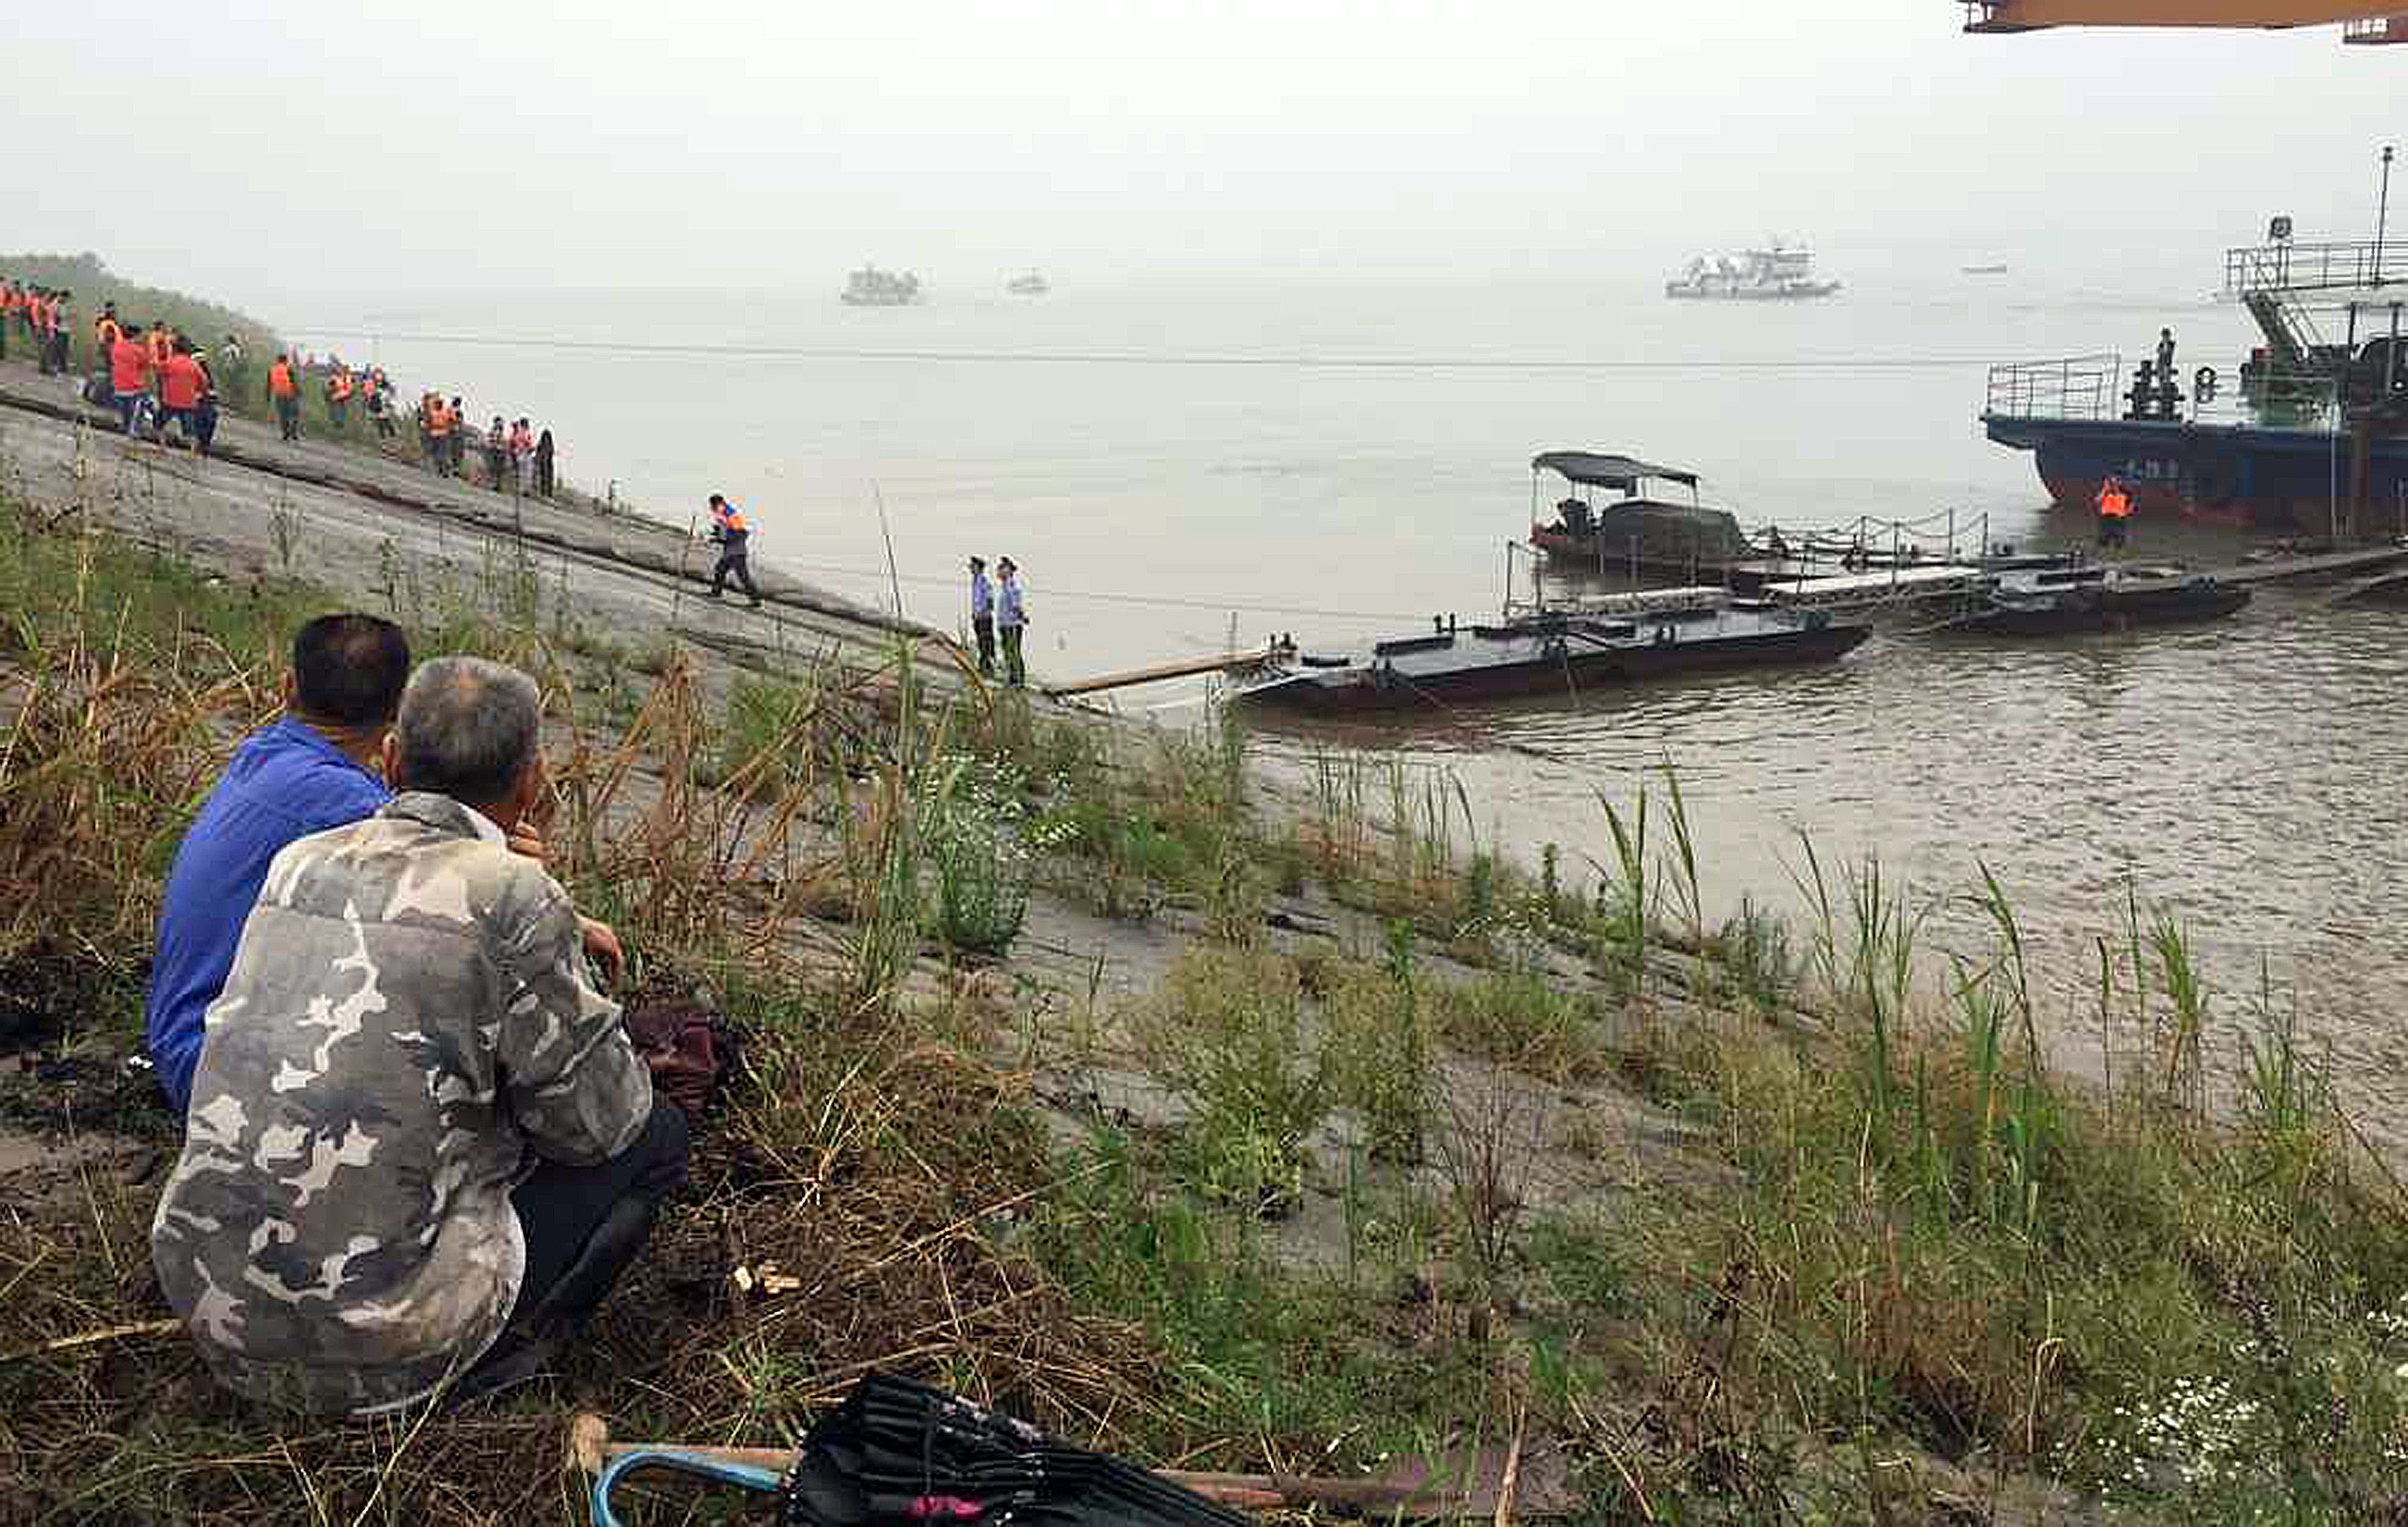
(1598,470)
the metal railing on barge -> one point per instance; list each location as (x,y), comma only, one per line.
(2358,265)
(1866,564)
(2068,387)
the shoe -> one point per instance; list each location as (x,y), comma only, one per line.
(516,1359)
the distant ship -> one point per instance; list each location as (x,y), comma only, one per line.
(1985,270)
(870,287)
(1778,274)
(1030,284)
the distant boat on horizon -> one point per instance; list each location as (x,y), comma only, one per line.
(870,287)
(1998,269)
(1782,273)
(1030,283)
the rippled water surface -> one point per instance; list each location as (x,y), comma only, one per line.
(1170,475)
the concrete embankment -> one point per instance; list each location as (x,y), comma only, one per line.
(363,524)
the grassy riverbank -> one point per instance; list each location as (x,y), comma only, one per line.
(1377,1139)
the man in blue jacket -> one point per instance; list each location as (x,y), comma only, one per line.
(313,767)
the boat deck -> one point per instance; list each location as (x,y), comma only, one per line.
(1934,581)
(2315,564)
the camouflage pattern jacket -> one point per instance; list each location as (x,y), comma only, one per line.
(408,1025)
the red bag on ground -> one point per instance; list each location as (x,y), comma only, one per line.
(686,1043)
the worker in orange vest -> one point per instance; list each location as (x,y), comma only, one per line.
(729,529)
(182,384)
(9,299)
(284,391)
(339,395)
(129,377)
(2114,511)
(161,344)
(104,332)
(441,425)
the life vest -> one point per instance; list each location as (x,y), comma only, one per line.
(338,386)
(180,383)
(129,366)
(280,379)
(730,520)
(2114,504)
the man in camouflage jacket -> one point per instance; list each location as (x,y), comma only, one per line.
(414,1122)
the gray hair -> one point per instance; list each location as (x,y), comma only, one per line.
(467,730)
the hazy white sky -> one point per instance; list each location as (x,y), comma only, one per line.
(277,154)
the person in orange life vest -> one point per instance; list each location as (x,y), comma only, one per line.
(161,344)
(104,332)
(284,391)
(729,529)
(442,430)
(2114,511)
(129,377)
(9,298)
(339,395)
(522,445)
(181,384)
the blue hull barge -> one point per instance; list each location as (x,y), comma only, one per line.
(2310,437)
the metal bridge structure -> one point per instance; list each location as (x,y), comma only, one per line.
(2363,22)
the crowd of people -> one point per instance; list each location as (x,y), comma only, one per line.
(420,1144)
(170,379)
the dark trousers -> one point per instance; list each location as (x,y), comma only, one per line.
(734,563)
(984,627)
(1014,672)
(287,417)
(205,424)
(543,477)
(560,1209)
(2111,529)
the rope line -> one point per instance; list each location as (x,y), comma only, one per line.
(1164,358)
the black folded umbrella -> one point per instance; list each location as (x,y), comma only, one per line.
(901,1454)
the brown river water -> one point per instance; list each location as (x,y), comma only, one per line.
(1175,463)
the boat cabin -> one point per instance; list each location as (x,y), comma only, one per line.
(1633,526)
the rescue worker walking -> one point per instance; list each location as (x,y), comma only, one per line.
(2114,511)
(181,385)
(982,616)
(729,529)
(284,391)
(129,377)
(441,425)
(1013,617)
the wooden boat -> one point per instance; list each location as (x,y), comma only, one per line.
(1558,649)
(1637,533)
(2055,601)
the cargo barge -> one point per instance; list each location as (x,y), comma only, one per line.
(2309,437)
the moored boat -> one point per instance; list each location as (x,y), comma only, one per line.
(2062,601)
(1559,650)
(2310,436)
(1638,532)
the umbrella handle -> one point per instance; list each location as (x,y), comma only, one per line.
(725,1473)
